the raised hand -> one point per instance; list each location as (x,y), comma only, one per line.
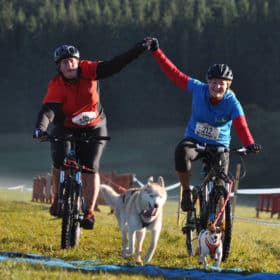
(151,43)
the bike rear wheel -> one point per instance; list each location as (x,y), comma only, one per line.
(194,220)
(75,234)
(190,232)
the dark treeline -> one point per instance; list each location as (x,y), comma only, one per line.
(194,33)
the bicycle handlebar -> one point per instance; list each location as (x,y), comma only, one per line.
(71,137)
(219,149)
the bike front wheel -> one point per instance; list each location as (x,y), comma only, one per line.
(228,231)
(70,231)
(76,229)
(225,218)
(66,218)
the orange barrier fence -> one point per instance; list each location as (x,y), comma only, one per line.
(42,185)
(119,182)
(268,203)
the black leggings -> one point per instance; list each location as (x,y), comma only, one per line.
(88,154)
(184,156)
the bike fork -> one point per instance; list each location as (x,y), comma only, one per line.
(61,191)
(79,198)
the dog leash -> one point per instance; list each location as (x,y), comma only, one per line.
(225,203)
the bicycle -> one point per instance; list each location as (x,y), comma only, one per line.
(211,203)
(71,204)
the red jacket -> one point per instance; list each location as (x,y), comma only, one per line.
(80,96)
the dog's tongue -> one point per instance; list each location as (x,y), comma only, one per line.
(153,211)
(150,212)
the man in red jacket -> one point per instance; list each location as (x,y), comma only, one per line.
(72,104)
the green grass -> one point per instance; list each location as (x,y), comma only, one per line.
(27,227)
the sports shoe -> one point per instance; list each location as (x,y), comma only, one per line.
(186,202)
(88,221)
(54,208)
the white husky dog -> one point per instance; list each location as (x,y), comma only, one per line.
(138,210)
(210,243)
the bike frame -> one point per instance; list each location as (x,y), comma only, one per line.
(71,204)
(211,199)
(71,198)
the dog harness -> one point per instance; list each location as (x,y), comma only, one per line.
(212,248)
(144,224)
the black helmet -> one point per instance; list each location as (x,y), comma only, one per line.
(219,71)
(65,51)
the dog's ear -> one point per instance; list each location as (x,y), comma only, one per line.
(150,180)
(210,226)
(221,226)
(161,181)
(219,229)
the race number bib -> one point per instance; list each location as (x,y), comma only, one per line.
(84,118)
(207,131)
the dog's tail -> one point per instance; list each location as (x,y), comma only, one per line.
(110,196)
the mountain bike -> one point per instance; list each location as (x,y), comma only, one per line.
(211,203)
(71,204)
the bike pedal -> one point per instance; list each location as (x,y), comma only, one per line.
(188,227)
(191,226)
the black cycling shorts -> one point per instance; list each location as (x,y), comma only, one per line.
(88,154)
(184,156)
